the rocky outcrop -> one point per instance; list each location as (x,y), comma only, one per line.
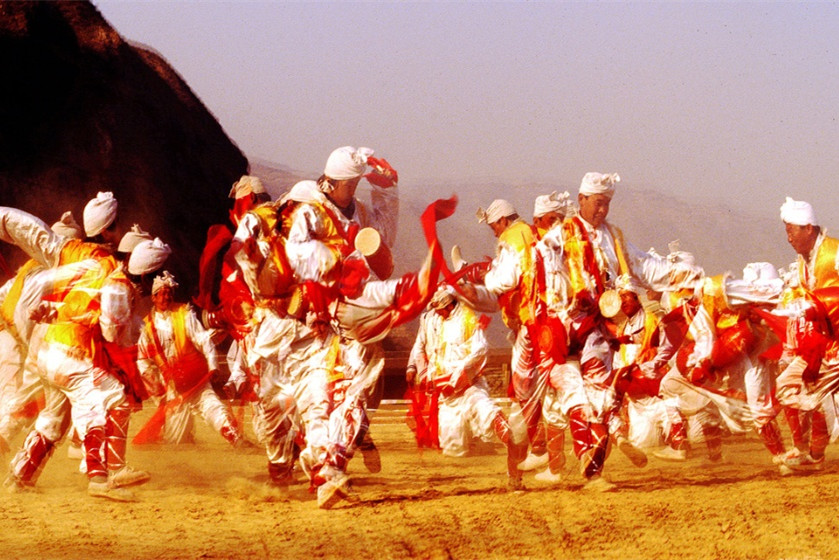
(82,111)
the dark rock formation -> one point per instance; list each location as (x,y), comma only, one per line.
(83,111)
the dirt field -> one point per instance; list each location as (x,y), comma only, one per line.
(210,501)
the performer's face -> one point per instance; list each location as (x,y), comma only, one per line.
(446,310)
(162,299)
(801,238)
(344,192)
(498,226)
(547,221)
(630,304)
(594,208)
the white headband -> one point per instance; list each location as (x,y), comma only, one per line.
(148,256)
(67,227)
(442,297)
(798,213)
(99,213)
(132,238)
(627,283)
(598,183)
(551,203)
(347,163)
(246,185)
(498,209)
(163,280)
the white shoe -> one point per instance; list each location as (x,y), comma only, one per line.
(533,462)
(670,454)
(635,455)
(333,491)
(804,462)
(128,476)
(548,476)
(75,451)
(599,484)
(104,489)
(15,486)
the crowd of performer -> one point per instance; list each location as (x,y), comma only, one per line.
(617,347)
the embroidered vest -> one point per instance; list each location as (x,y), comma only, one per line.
(584,272)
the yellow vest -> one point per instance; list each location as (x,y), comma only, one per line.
(518,305)
(78,300)
(76,250)
(189,366)
(7,310)
(584,274)
(824,270)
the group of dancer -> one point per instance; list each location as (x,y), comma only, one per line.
(631,349)
(617,345)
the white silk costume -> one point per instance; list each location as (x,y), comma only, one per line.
(203,400)
(450,354)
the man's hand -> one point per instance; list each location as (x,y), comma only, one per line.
(382,174)
(468,291)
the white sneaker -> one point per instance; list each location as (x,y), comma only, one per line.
(670,454)
(599,484)
(533,462)
(548,476)
(128,476)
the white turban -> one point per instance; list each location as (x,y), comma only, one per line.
(132,238)
(246,185)
(303,191)
(551,203)
(627,283)
(442,297)
(67,227)
(798,213)
(676,255)
(598,183)
(164,280)
(99,213)
(347,163)
(760,272)
(148,256)
(498,209)
(760,284)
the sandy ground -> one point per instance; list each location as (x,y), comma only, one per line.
(208,500)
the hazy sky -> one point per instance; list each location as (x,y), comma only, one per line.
(730,102)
